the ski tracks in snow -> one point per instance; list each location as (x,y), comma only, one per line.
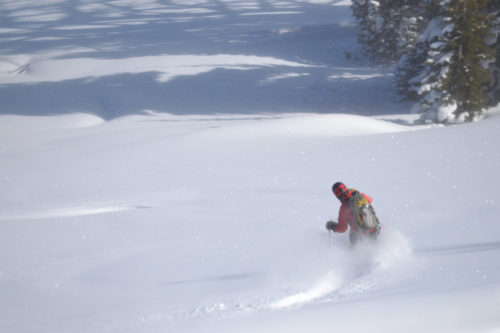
(75,211)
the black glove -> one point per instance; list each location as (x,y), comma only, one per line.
(330,225)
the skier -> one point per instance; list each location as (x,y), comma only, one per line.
(363,223)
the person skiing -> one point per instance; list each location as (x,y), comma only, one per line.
(363,222)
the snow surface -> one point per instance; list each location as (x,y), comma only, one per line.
(166,166)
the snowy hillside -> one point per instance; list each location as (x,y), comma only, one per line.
(166,166)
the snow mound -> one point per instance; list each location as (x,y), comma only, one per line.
(327,125)
(11,124)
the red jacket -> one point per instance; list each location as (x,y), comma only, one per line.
(345,216)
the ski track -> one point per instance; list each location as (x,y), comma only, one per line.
(66,212)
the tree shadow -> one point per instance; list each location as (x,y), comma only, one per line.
(262,90)
(300,33)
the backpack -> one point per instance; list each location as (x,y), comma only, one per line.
(363,212)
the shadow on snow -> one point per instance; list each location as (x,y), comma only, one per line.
(266,29)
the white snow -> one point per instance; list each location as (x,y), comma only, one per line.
(165,166)
(445,112)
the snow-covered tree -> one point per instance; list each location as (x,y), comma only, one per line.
(431,66)
(407,19)
(409,69)
(494,41)
(389,28)
(367,13)
(451,81)
(412,61)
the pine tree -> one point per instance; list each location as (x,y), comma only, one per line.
(493,90)
(451,81)
(431,67)
(389,28)
(367,13)
(407,68)
(411,67)
(468,76)
(410,18)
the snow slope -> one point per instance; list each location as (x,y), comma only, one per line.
(139,196)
